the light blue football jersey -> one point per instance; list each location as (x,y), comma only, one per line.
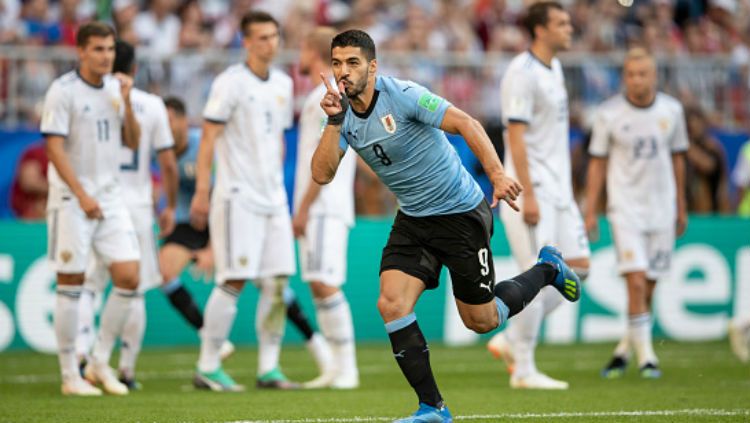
(399,138)
(186,166)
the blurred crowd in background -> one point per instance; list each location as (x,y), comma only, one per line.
(458,48)
(669,27)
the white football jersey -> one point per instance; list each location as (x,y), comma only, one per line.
(135,166)
(90,118)
(336,198)
(250,151)
(535,94)
(639,142)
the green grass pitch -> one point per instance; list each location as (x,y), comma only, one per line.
(702,382)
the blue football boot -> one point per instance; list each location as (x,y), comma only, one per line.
(428,414)
(650,371)
(567,281)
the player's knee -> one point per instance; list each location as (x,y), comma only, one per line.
(128,280)
(392,308)
(70,278)
(321,290)
(480,326)
(238,284)
(636,290)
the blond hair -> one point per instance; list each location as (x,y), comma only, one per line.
(638,53)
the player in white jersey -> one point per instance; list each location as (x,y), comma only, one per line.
(637,145)
(322,220)
(87,117)
(248,108)
(137,190)
(534,104)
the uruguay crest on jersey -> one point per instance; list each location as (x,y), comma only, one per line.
(389,123)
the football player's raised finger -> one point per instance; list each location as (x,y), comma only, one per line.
(329,88)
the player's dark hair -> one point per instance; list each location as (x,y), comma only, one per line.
(255,16)
(124,57)
(176,104)
(538,15)
(93,29)
(355,38)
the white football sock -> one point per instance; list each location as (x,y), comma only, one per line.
(335,319)
(220,312)
(86,329)
(622,349)
(112,321)
(523,333)
(132,336)
(270,319)
(321,353)
(639,330)
(742,322)
(66,328)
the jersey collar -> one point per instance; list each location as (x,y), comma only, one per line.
(371,107)
(648,106)
(255,74)
(538,59)
(100,86)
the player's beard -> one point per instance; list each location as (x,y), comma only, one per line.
(354,90)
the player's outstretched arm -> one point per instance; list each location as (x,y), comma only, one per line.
(328,154)
(59,159)
(595,177)
(678,166)
(200,203)
(505,188)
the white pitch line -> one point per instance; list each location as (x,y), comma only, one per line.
(705,412)
(373,369)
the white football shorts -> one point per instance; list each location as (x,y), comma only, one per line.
(561,227)
(323,250)
(248,244)
(97,274)
(643,251)
(72,238)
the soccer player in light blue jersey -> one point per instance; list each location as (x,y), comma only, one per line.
(185,243)
(397,128)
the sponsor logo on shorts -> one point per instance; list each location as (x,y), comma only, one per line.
(488,286)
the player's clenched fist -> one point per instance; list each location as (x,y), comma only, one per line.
(126,83)
(506,189)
